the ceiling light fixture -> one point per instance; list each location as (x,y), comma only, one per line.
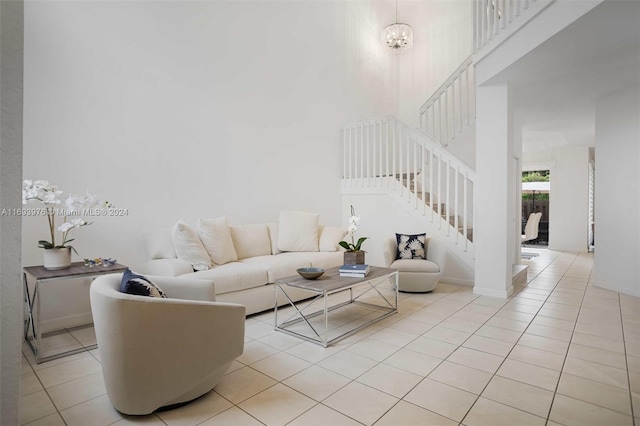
(398,36)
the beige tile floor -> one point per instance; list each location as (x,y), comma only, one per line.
(558,352)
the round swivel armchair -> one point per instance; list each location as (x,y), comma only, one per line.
(417,275)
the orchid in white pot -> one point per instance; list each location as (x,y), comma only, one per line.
(42,192)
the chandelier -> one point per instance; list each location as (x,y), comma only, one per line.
(398,36)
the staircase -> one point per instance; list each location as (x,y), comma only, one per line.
(386,156)
(414,166)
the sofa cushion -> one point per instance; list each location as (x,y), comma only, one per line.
(160,244)
(326,259)
(233,276)
(216,239)
(281,265)
(251,240)
(139,285)
(298,231)
(189,247)
(329,237)
(410,246)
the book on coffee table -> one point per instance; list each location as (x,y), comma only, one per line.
(354,270)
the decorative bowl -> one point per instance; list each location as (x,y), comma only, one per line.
(310,273)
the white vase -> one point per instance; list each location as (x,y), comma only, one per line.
(57,258)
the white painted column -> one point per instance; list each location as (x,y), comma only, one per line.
(494,197)
(11,303)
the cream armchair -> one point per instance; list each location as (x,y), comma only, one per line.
(160,352)
(417,275)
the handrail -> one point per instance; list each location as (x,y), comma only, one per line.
(451,105)
(386,153)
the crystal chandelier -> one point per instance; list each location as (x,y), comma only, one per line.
(398,36)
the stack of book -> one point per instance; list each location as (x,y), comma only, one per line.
(356,271)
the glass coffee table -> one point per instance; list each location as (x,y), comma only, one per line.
(338,306)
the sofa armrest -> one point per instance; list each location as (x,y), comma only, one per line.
(166,267)
(437,253)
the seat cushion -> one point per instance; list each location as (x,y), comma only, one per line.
(233,276)
(415,265)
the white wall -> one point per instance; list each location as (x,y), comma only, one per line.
(442,40)
(569,195)
(617,203)
(189,109)
(11,302)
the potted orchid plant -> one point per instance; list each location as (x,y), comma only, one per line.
(353,252)
(57,252)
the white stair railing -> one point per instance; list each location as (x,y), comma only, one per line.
(386,154)
(493,18)
(452,106)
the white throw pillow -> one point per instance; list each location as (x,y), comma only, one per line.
(298,231)
(189,247)
(160,244)
(251,240)
(273,236)
(330,236)
(216,239)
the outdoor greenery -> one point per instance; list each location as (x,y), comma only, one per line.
(536,176)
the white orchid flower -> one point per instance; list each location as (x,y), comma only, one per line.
(77,223)
(65,227)
(51,197)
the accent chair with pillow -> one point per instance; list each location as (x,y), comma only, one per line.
(420,261)
(167,343)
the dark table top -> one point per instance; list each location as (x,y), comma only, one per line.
(76,270)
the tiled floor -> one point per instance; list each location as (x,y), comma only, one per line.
(558,352)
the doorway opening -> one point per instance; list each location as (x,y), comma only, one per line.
(535,199)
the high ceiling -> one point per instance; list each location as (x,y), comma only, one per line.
(557,84)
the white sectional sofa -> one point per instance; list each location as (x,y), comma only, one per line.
(243,261)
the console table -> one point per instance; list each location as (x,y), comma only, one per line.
(32,329)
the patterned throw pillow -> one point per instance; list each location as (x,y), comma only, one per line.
(133,283)
(410,246)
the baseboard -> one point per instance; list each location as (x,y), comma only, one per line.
(500,294)
(457,281)
(66,322)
